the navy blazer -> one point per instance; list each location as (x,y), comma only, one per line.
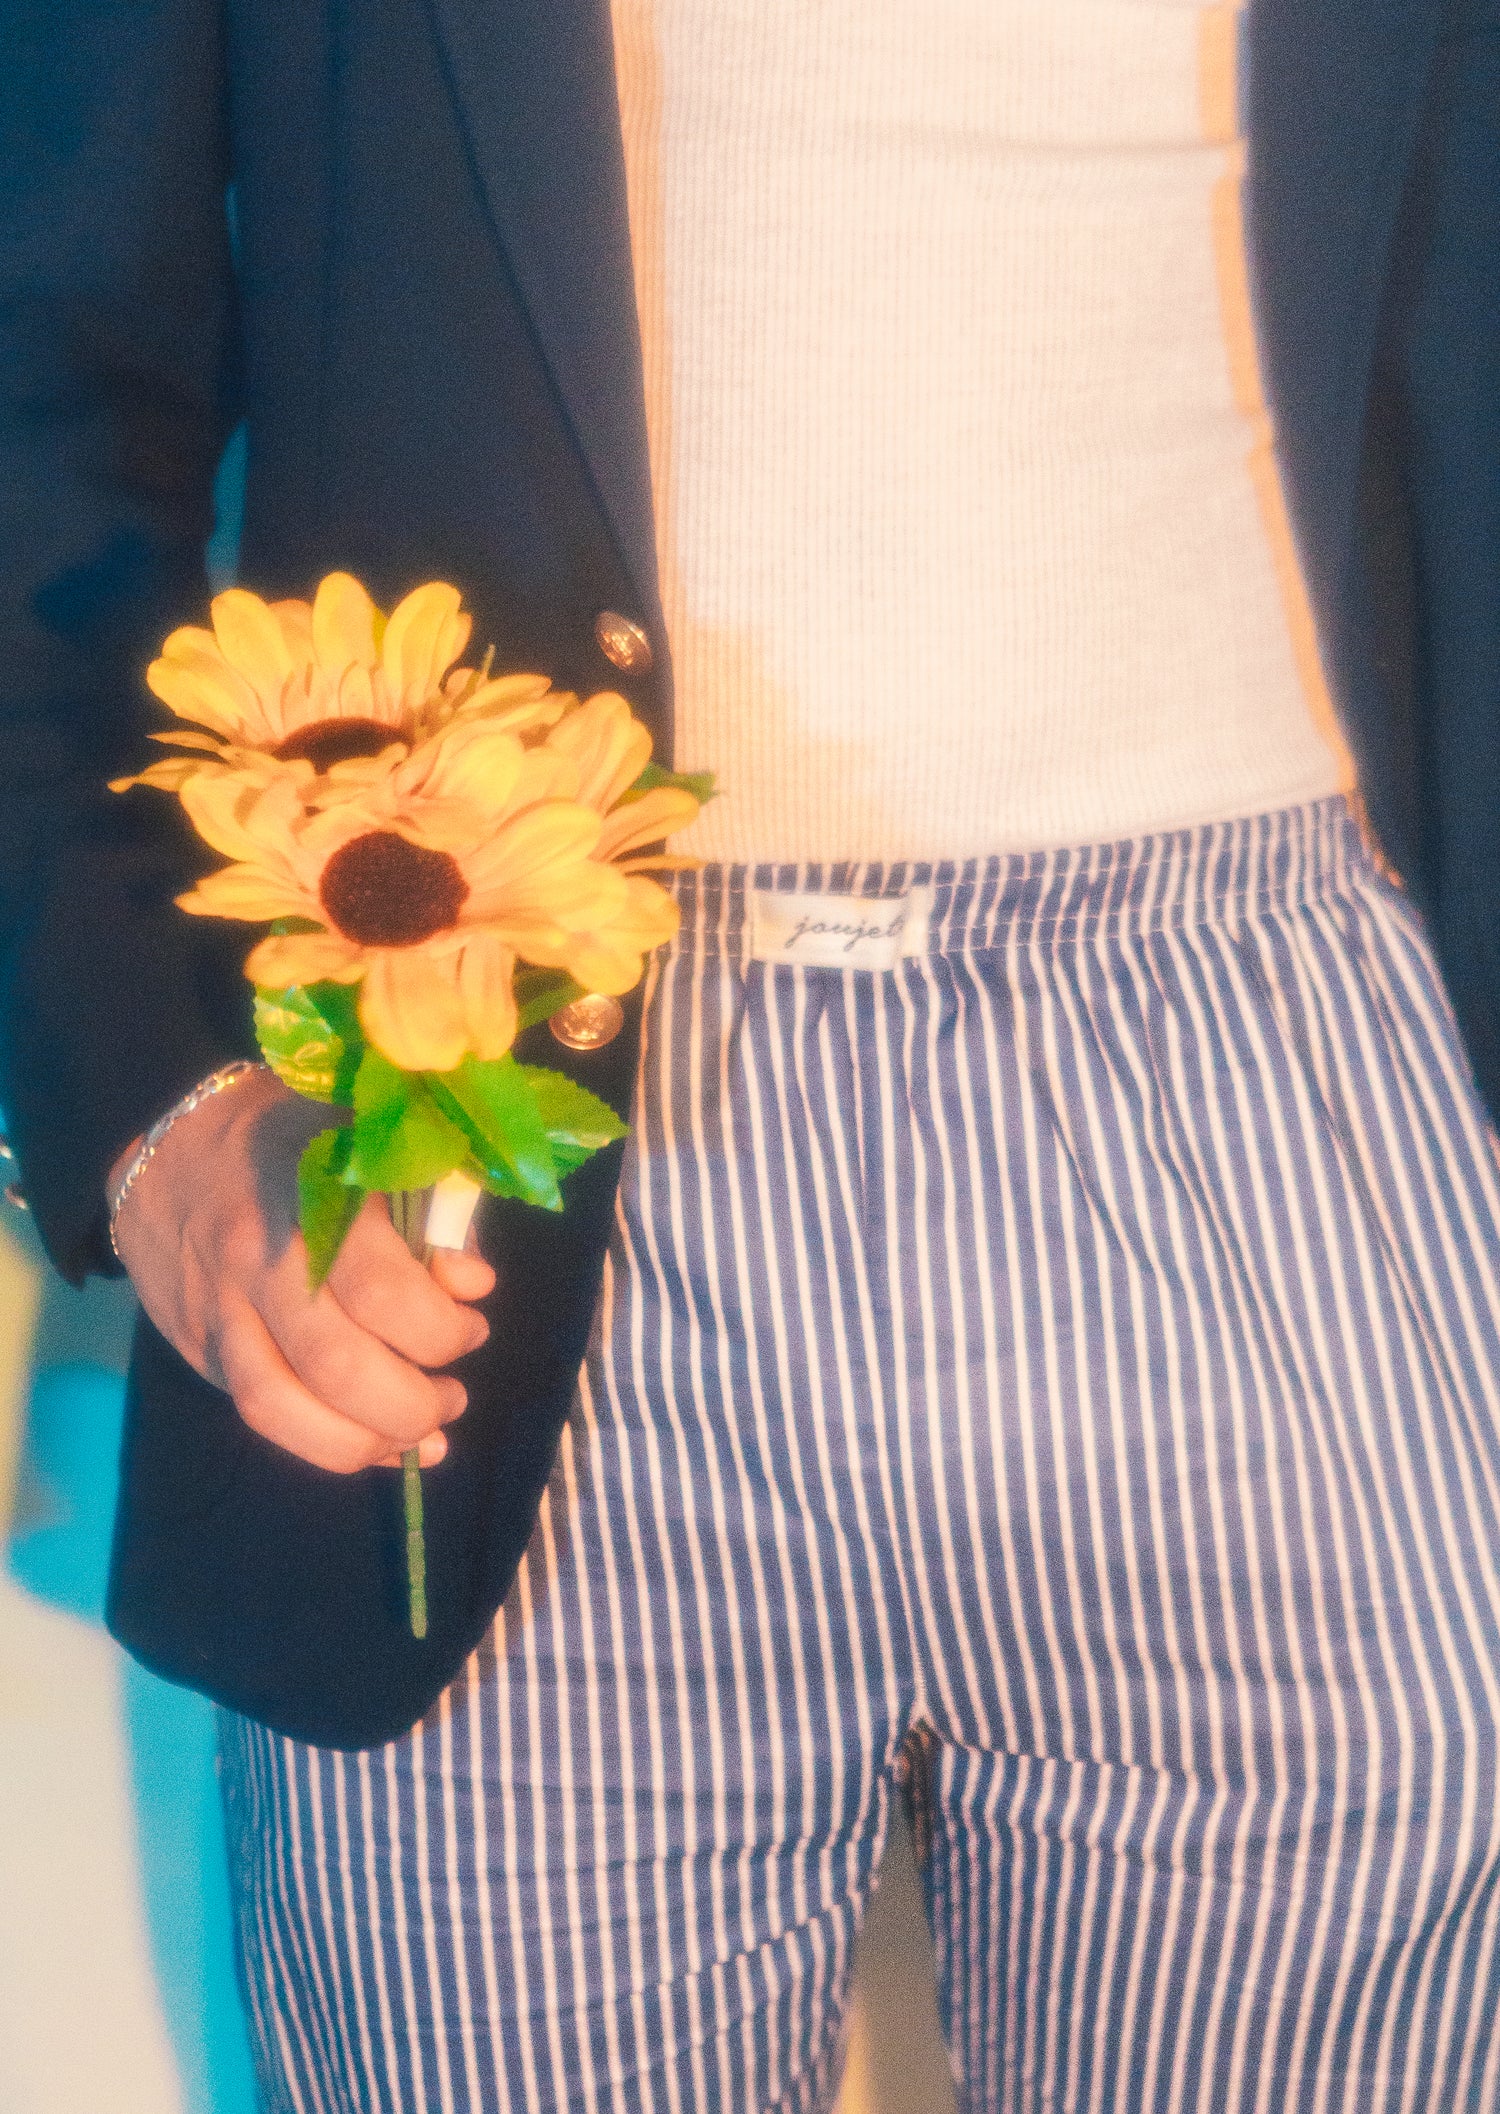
(423,315)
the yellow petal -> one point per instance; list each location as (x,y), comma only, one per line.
(214,807)
(419,641)
(242,813)
(269,821)
(449,644)
(546,776)
(443,825)
(473,761)
(182,738)
(321,834)
(295,620)
(248,892)
(654,915)
(656,814)
(343,624)
(514,702)
(251,641)
(171,774)
(519,689)
(209,691)
(340,780)
(486,984)
(604,965)
(534,939)
(353,693)
(303,958)
(609,745)
(555,898)
(306,697)
(190,642)
(409,1006)
(610,958)
(547,839)
(342,808)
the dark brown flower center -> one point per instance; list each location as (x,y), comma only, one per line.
(329,741)
(384,892)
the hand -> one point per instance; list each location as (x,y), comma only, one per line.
(345,1377)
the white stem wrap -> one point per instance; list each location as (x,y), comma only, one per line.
(451,1211)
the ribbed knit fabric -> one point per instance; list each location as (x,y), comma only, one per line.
(971,532)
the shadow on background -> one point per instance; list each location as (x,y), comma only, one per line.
(120,1885)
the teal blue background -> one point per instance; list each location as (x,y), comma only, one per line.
(59,1551)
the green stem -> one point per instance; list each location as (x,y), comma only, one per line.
(409,1216)
(416,1547)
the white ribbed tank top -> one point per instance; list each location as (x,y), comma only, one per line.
(971,531)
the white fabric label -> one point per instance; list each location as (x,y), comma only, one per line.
(838,932)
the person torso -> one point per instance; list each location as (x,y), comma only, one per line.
(971,530)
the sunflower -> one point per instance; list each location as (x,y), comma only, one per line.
(425,897)
(423,826)
(321,690)
(609,750)
(593,757)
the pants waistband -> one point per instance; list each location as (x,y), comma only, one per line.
(1215,873)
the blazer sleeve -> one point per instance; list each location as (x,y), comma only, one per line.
(117,391)
(1447,359)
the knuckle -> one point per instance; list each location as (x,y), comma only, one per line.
(406,1316)
(369,1297)
(421,1332)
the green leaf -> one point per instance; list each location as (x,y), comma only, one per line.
(494,1103)
(401,1138)
(310,1037)
(327,1203)
(542,992)
(699,783)
(498,1181)
(578,1124)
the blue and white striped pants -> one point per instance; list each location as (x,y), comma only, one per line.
(1077,1347)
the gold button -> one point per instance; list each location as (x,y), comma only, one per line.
(622,642)
(589,1022)
(15,1194)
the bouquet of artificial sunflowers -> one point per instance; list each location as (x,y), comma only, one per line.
(443,856)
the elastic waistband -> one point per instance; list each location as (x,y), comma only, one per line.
(1215,873)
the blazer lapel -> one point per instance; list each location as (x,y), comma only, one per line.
(535,80)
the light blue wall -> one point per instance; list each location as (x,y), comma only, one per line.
(60,1553)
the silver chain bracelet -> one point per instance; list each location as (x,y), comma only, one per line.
(145,1152)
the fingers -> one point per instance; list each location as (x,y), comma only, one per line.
(382,1287)
(349,1368)
(345,1377)
(275,1403)
(463,1276)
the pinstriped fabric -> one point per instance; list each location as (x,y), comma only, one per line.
(1079,1344)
